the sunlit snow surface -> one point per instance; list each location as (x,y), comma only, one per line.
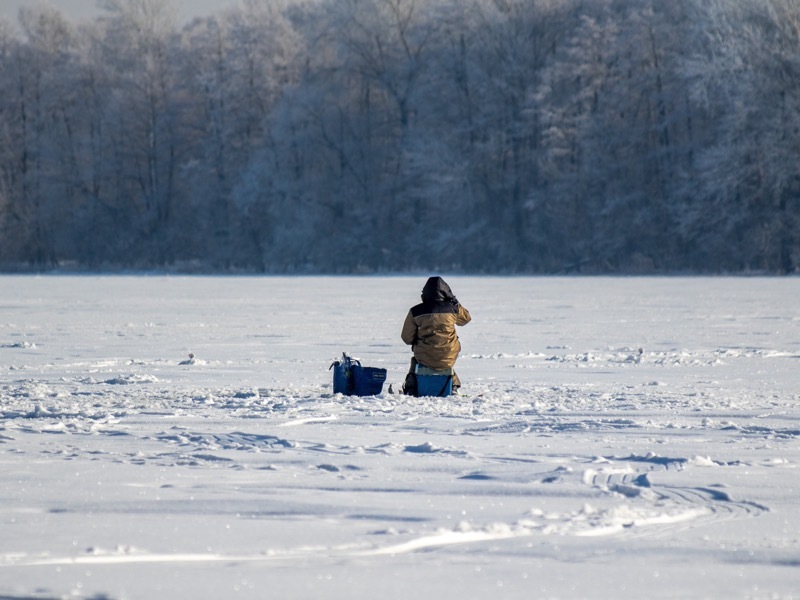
(573,465)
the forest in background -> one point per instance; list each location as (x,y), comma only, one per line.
(362,136)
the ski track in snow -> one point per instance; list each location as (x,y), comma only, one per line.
(510,460)
(643,507)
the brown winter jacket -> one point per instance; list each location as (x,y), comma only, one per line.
(430,327)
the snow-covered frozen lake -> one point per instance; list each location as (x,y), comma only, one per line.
(573,465)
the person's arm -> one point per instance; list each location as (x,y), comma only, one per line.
(463,317)
(409,333)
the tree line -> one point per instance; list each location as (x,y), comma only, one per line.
(342,136)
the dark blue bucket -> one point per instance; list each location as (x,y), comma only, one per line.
(368,381)
(432,382)
(351,379)
(434,385)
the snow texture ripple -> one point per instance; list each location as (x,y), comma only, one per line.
(179,437)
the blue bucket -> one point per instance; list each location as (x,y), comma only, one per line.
(432,382)
(351,379)
(368,381)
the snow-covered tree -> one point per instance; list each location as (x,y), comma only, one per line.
(38,145)
(341,135)
(137,40)
(748,77)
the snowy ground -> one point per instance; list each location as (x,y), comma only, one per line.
(572,465)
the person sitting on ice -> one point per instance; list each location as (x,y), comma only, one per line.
(430,330)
